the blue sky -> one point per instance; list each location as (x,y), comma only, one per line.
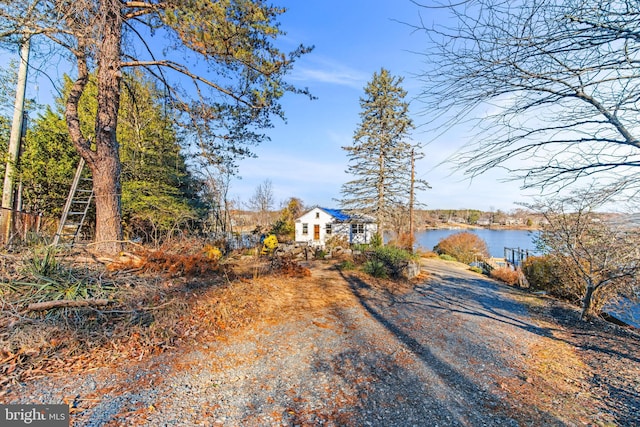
(353,39)
(304,159)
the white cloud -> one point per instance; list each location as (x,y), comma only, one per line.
(329,71)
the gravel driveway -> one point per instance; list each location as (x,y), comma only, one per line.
(346,350)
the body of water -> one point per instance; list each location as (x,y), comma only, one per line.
(496,240)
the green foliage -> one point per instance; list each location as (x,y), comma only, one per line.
(42,262)
(153,210)
(223,107)
(465,247)
(476,269)
(446,257)
(47,164)
(380,155)
(375,268)
(473,216)
(376,240)
(284,227)
(46,279)
(361,247)
(542,273)
(393,259)
(554,275)
(5,131)
(320,254)
(346,265)
(159,195)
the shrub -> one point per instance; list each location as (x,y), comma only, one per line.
(361,247)
(376,241)
(393,259)
(465,247)
(404,240)
(560,277)
(446,257)
(375,268)
(43,262)
(269,244)
(542,273)
(212,252)
(505,274)
(476,269)
(346,265)
(385,261)
(426,254)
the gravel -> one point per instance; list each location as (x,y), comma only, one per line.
(451,351)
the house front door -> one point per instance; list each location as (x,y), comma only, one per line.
(316,232)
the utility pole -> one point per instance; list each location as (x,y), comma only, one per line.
(8,190)
(411,191)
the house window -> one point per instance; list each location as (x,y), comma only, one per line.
(317,215)
(357,228)
(328,229)
(305,228)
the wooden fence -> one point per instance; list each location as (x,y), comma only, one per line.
(23,225)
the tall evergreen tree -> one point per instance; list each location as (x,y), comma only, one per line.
(47,164)
(5,128)
(157,189)
(380,156)
(217,60)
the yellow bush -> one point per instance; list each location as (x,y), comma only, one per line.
(506,275)
(212,252)
(269,244)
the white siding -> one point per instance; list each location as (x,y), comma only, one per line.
(318,217)
(315,217)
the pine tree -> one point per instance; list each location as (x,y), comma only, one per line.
(158,192)
(380,156)
(219,62)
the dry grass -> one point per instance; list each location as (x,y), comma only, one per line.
(556,381)
(426,254)
(506,275)
(160,300)
(149,311)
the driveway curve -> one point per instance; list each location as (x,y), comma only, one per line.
(342,349)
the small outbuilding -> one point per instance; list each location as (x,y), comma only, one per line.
(320,224)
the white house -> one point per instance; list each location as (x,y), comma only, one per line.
(320,224)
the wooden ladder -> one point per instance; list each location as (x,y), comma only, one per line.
(75,209)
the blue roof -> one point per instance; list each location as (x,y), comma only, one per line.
(337,214)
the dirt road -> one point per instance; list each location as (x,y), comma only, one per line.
(339,348)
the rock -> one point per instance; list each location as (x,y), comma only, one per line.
(411,270)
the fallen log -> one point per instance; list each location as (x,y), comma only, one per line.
(46,305)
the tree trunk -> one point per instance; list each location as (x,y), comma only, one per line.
(104,162)
(586,301)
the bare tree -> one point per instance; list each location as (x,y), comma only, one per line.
(598,259)
(262,201)
(552,87)
(217,62)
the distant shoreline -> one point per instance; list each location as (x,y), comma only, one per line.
(479,227)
